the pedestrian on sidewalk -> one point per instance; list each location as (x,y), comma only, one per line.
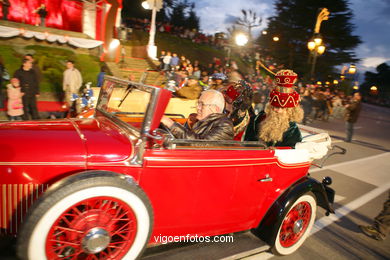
(381,226)
(29,86)
(352,111)
(72,82)
(15,103)
(35,68)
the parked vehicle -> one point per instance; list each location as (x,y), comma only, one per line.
(105,186)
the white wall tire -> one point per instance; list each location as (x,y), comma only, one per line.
(111,196)
(295,226)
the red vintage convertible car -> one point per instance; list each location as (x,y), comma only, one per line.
(103,187)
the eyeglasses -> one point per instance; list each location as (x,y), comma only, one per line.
(201,104)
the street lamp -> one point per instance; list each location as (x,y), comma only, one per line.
(241,39)
(315,45)
(316,48)
(155,6)
(352,69)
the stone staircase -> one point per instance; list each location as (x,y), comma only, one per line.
(137,69)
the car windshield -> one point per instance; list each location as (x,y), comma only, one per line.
(128,102)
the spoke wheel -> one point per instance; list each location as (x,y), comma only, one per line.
(102,226)
(295,226)
(93,215)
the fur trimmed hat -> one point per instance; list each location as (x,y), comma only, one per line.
(284,95)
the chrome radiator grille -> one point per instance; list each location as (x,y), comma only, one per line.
(16,199)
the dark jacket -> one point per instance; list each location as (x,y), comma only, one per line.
(290,137)
(28,81)
(214,127)
(352,111)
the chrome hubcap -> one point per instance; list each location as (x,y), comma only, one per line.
(96,240)
(298,226)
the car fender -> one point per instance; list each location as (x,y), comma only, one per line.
(267,228)
(85,175)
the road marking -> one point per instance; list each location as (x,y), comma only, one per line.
(327,220)
(337,141)
(350,162)
(345,210)
(338,198)
(340,212)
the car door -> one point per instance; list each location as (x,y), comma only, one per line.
(206,190)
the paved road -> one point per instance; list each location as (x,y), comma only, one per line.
(361,179)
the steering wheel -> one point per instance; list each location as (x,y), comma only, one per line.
(163,129)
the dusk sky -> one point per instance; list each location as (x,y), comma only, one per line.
(371,18)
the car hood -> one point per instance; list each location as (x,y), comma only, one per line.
(69,140)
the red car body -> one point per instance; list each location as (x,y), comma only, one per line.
(198,190)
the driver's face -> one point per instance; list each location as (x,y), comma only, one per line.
(205,106)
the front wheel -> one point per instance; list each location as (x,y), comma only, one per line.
(295,226)
(99,217)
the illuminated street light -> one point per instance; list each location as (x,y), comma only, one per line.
(335,82)
(155,6)
(352,69)
(321,49)
(275,38)
(315,45)
(311,45)
(316,48)
(241,39)
(317,40)
(146,5)
(264,32)
(355,87)
(114,44)
(374,88)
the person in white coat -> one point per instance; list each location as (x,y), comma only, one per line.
(72,81)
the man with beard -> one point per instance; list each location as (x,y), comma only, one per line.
(276,125)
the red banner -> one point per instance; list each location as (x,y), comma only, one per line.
(61,14)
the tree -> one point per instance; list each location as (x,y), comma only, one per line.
(249,20)
(192,21)
(294,24)
(381,80)
(133,9)
(178,16)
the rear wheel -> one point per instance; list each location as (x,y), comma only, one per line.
(94,218)
(296,225)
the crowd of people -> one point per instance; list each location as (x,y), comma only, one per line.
(217,40)
(23,88)
(188,79)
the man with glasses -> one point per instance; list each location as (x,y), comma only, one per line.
(212,124)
